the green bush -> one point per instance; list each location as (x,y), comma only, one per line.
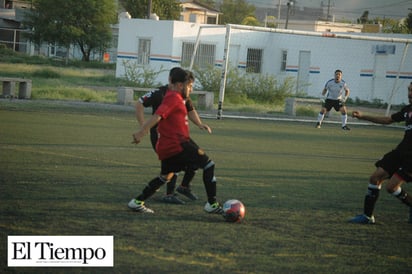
(141,76)
(46,73)
(306,111)
(245,88)
(76,94)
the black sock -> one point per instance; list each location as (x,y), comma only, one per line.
(170,186)
(209,181)
(370,199)
(151,188)
(188,177)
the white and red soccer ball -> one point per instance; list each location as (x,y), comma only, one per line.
(233,211)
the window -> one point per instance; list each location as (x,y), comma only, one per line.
(143,52)
(192,18)
(211,20)
(205,55)
(254,60)
(283,61)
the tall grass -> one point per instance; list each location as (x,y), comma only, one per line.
(62,83)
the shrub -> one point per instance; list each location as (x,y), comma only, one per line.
(142,76)
(46,73)
(243,87)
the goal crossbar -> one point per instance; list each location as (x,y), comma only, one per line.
(298,32)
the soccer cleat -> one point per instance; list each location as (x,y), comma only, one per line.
(213,208)
(317,125)
(362,219)
(187,192)
(139,206)
(172,199)
(345,127)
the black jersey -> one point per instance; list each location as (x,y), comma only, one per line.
(155,97)
(405,114)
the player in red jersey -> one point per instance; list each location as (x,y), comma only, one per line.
(174,148)
(153,99)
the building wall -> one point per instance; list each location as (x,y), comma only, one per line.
(370,74)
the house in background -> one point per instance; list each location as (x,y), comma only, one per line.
(195,12)
(11,30)
(370,66)
(12,13)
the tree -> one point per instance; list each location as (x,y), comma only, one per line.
(165,9)
(408,23)
(364,18)
(251,21)
(235,11)
(390,25)
(85,23)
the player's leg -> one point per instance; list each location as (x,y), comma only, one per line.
(394,186)
(371,197)
(171,185)
(171,197)
(321,116)
(198,158)
(325,108)
(137,203)
(190,172)
(385,167)
(344,117)
(209,180)
(185,187)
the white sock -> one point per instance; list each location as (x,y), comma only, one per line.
(344,119)
(320,117)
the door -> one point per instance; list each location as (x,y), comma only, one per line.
(302,82)
(379,82)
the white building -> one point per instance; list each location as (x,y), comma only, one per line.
(369,67)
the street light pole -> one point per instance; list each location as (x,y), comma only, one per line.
(289,4)
(149,9)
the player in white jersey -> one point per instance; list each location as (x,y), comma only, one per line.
(337,92)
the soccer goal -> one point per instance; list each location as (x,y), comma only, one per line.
(371,62)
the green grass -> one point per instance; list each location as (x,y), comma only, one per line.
(68,170)
(67,83)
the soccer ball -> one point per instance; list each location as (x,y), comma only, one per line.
(233,211)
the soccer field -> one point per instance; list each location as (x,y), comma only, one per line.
(72,171)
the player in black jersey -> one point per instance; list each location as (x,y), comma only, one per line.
(395,165)
(153,99)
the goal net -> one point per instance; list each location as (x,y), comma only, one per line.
(373,65)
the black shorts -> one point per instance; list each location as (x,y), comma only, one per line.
(397,161)
(336,104)
(192,157)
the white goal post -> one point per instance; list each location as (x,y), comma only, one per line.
(231,27)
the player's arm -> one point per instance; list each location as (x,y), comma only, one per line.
(347,92)
(194,117)
(137,136)
(140,113)
(384,120)
(324,91)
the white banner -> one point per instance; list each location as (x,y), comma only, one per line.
(60,251)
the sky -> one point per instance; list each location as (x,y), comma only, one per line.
(351,9)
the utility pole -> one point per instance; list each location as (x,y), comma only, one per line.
(328,10)
(149,9)
(327,14)
(280,3)
(289,4)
